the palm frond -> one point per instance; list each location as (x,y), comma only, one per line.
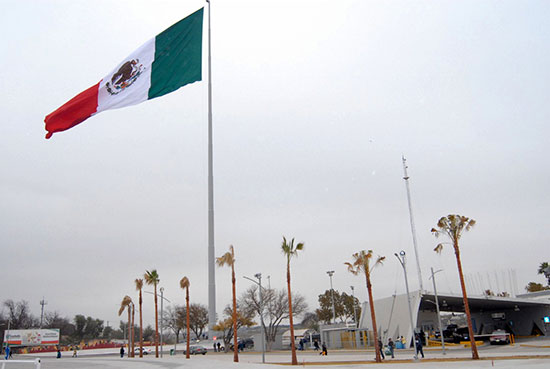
(290,249)
(351,268)
(139,284)
(228,258)
(439,248)
(126,301)
(151,277)
(184,283)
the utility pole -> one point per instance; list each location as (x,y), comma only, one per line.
(330,274)
(438,313)
(354,307)
(413,229)
(42,302)
(403,262)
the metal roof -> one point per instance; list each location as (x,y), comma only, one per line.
(454,303)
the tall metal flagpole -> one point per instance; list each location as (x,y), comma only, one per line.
(211,253)
(413,230)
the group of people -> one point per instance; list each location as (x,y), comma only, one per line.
(9,353)
(390,347)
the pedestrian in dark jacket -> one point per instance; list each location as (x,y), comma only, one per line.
(324,351)
(122,351)
(391,346)
(316,345)
(381,348)
(419,346)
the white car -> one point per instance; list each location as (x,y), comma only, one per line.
(499,337)
(146,351)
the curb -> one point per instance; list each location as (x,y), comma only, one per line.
(408,361)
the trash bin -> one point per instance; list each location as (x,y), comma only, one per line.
(172,352)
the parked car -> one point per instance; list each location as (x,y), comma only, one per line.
(455,334)
(196,350)
(499,336)
(146,351)
(247,343)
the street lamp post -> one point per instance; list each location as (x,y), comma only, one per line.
(438,314)
(161,317)
(330,274)
(162,298)
(402,261)
(354,307)
(259,283)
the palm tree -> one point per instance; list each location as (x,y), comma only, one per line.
(361,263)
(453,226)
(229,259)
(127,304)
(132,332)
(290,250)
(139,286)
(152,278)
(184,284)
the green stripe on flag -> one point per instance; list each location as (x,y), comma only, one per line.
(178,56)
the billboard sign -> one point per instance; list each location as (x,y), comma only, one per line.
(32,337)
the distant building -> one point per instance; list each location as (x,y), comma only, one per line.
(524,315)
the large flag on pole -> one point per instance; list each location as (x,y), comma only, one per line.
(165,63)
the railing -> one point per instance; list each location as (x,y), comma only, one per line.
(36,362)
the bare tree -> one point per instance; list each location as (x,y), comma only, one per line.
(174,319)
(198,318)
(20,315)
(275,308)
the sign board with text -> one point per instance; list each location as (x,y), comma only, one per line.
(32,337)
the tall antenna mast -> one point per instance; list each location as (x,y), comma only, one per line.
(413,229)
(211,252)
(42,302)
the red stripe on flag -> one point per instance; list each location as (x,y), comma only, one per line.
(73,112)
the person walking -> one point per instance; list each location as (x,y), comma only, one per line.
(122,351)
(324,351)
(58,353)
(419,346)
(8,352)
(75,353)
(381,349)
(391,346)
(316,345)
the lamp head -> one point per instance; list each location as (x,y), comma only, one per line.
(402,253)
(258,275)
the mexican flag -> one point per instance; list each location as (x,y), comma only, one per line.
(165,63)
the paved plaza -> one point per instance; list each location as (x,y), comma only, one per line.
(533,355)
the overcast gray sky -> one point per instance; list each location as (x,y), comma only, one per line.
(314,104)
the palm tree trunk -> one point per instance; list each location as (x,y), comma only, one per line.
(475,355)
(140,325)
(292,343)
(373,318)
(129,330)
(156,324)
(187,355)
(235,346)
(133,332)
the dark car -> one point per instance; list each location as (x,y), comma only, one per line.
(196,350)
(247,343)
